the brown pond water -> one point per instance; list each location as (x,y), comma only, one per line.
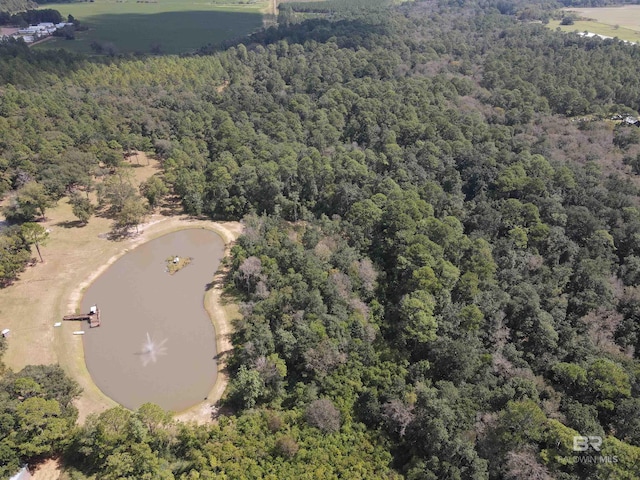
(156,342)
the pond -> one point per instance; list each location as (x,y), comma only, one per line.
(156,342)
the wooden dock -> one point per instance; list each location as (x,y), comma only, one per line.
(93,317)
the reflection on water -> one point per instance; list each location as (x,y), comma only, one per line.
(156,343)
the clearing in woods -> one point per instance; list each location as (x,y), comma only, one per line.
(73,258)
(622,22)
(156,26)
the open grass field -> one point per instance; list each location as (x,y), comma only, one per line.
(73,258)
(157,26)
(599,28)
(622,22)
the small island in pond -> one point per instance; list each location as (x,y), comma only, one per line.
(176,263)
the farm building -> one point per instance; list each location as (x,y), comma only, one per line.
(36,32)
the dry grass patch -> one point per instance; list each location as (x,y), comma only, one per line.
(48,470)
(627,16)
(622,22)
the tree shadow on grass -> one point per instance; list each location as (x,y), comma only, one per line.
(171,206)
(217,282)
(221,407)
(222,280)
(70,224)
(118,234)
(230,295)
(223,356)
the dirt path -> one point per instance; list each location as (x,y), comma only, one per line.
(73,258)
(48,470)
(270,14)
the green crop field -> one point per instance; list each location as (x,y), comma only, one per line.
(622,22)
(163,26)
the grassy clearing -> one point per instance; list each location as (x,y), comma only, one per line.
(599,28)
(74,257)
(627,16)
(167,26)
(622,22)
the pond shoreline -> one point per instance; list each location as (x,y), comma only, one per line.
(46,292)
(93,399)
(157,341)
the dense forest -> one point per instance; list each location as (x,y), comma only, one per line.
(439,276)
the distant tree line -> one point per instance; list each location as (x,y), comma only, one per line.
(30,17)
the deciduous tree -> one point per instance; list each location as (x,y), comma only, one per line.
(132,213)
